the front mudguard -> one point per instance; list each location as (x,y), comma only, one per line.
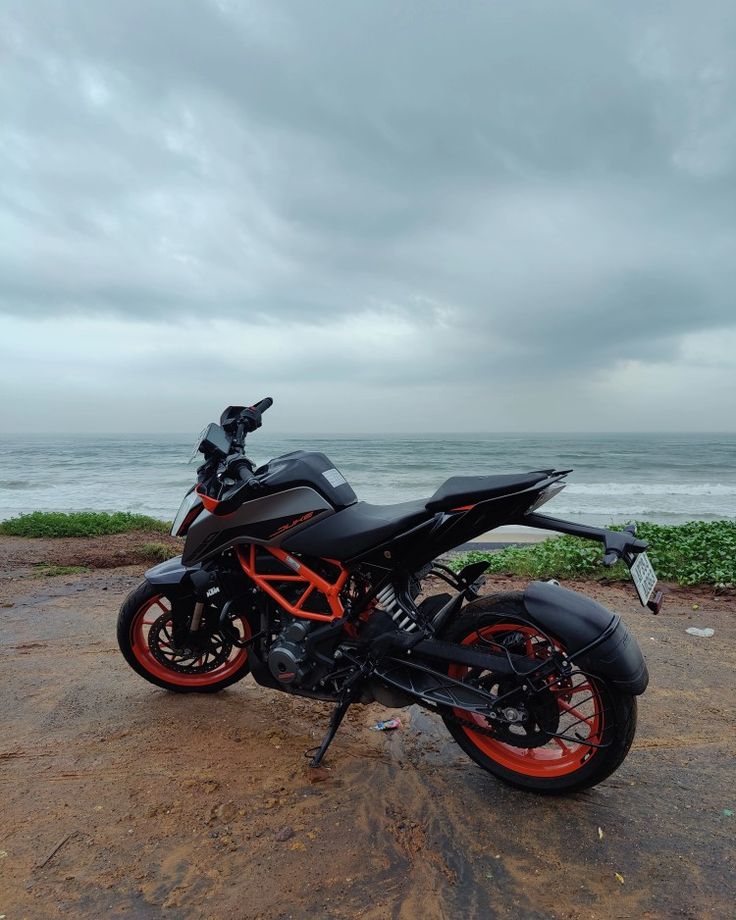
(595,639)
(172,574)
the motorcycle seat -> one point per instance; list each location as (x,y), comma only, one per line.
(362,526)
(469,490)
(357,528)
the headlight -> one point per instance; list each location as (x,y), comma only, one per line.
(188,511)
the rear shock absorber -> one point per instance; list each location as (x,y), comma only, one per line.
(388,601)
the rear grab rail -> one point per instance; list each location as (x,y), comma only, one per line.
(617,543)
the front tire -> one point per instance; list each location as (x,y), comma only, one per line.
(583,708)
(144,633)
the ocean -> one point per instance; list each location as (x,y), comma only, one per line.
(666,478)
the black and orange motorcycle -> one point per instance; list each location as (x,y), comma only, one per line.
(285,575)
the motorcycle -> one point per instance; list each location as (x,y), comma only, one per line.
(285,575)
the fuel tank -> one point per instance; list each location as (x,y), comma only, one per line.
(265,520)
(298,489)
(307,468)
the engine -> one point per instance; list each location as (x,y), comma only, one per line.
(288,657)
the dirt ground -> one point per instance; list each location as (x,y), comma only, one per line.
(121,800)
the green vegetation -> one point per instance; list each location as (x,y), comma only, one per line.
(156,552)
(698,552)
(45,568)
(79,524)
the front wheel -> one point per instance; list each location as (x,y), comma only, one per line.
(205,663)
(569,735)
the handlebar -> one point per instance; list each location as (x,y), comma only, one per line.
(263,405)
(250,417)
(246,485)
(237,422)
(247,420)
(245,474)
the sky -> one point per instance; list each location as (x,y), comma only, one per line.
(389,216)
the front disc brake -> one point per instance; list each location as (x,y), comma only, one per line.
(205,650)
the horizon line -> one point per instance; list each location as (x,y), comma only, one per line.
(366,434)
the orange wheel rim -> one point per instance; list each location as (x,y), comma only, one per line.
(580,709)
(148,615)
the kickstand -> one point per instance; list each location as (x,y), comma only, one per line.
(337,716)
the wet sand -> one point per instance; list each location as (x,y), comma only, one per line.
(121,800)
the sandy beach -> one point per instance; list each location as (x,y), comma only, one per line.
(122,800)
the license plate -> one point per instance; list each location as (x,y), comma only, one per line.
(644,577)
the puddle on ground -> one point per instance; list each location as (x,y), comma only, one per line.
(424,738)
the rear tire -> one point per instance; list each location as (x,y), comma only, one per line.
(144,612)
(554,766)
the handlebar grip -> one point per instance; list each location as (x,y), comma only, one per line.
(263,404)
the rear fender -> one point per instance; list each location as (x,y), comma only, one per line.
(596,639)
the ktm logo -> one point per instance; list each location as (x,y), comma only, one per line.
(290,524)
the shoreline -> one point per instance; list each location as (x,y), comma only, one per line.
(700,553)
(513,534)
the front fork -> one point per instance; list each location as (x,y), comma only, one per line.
(196,617)
(205,585)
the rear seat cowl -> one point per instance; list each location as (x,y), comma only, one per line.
(468,490)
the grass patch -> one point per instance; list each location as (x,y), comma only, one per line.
(156,552)
(45,568)
(79,524)
(699,552)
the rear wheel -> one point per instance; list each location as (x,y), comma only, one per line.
(206,664)
(570,735)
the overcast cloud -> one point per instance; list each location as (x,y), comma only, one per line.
(391,216)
